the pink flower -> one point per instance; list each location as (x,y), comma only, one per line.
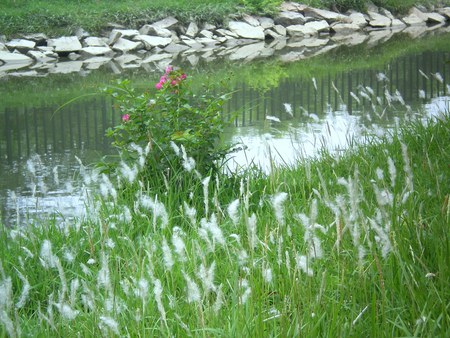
(126,117)
(183,76)
(159,85)
(174,82)
(169,69)
(163,79)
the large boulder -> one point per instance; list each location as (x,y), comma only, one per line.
(65,44)
(246,31)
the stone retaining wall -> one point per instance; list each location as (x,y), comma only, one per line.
(251,36)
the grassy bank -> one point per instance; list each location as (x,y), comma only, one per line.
(59,17)
(355,245)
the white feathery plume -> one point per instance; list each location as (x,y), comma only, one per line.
(66,311)
(422,94)
(277,204)
(167,255)
(130,174)
(25,292)
(157,291)
(213,228)
(178,243)
(302,264)
(191,213)
(103,276)
(219,300)
(438,77)
(206,276)
(110,324)
(407,168)
(267,275)
(158,209)
(188,162)
(251,231)
(233,211)
(193,292)
(46,255)
(355,97)
(288,108)
(392,171)
(247,291)
(205,183)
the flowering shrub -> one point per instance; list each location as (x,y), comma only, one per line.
(169,117)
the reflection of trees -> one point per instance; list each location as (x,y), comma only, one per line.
(316,95)
(79,125)
(259,93)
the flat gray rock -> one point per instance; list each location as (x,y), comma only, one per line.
(325,15)
(175,48)
(289,19)
(436,18)
(8,57)
(21,44)
(301,30)
(96,50)
(246,31)
(65,44)
(266,23)
(320,26)
(167,23)
(251,20)
(127,33)
(358,19)
(42,56)
(248,51)
(93,41)
(344,28)
(192,30)
(413,20)
(114,36)
(153,41)
(125,45)
(378,20)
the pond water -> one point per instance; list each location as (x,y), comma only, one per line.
(286,112)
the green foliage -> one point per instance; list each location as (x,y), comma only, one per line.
(262,6)
(344,5)
(174,116)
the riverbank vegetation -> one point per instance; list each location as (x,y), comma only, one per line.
(59,17)
(349,245)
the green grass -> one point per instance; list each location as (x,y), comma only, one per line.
(355,245)
(59,17)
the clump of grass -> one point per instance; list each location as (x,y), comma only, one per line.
(352,246)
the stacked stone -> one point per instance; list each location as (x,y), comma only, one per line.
(247,38)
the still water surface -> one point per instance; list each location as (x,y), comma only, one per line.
(294,117)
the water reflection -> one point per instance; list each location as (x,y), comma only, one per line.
(294,119)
